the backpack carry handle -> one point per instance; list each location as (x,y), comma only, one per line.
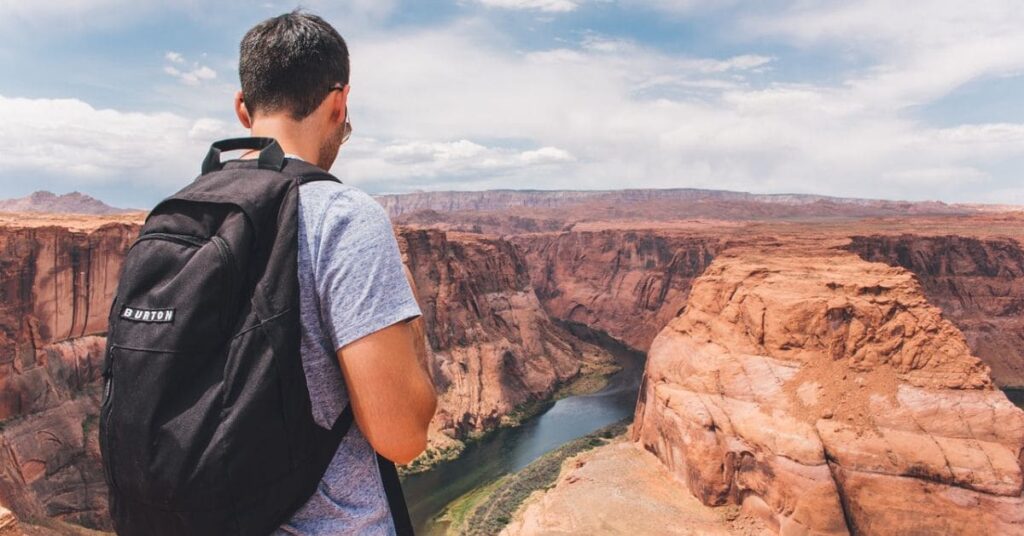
(271,153)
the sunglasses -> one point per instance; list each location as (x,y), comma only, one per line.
(348,124)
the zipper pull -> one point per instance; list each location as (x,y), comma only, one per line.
(108,364)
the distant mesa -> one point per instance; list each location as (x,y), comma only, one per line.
(49,202)
(507,210)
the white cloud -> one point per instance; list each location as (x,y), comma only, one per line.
(550,6)
(205,130)
(189,76)
(37,19)
(744,62)
(918,51)
(461,161)
(546,155)
(456,107)
(416,152)
(34,20)
(630,116)
(68,137)
(680,7)
(927,177)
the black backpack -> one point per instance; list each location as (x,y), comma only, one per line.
(206,424)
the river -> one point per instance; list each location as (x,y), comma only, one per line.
(510,449)
(1016,396)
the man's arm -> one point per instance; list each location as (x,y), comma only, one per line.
(419,327)
(389,387)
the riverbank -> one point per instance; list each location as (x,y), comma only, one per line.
(487,510)
(593,377)
(597,368)
(507,450)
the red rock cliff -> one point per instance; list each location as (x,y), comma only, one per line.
(56,286)
(493,346)
(978,283)
(828,394)
(626,283)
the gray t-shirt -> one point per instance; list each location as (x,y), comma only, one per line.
(351,284)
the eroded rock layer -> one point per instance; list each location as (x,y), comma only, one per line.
(627,283)
(827,392)
(56,290)
(619,489)
(494,348)
(978,283)
(8,523)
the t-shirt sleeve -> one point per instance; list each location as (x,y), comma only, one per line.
(359,275)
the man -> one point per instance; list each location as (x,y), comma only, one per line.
(357,308)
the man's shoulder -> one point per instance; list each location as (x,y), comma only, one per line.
(335,212)
(337,200)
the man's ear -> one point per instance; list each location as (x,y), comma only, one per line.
(241,111)
(340,104)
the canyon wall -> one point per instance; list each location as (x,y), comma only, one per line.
(56,286)
(493,350)
(978,283)
(627,283)
(8,523)
(493,346)
(630,283)
(828,395)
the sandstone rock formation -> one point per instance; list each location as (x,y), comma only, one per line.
(494,349)
(827,393)
(8,523)
(620,489)
(627,283)
(493,346)
(801,381)
(978,283)
(56,288)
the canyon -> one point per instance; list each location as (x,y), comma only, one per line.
(827,393)
(57,286)
(977,282)
(625,282)
(493,351)
(493,347)
(823,365)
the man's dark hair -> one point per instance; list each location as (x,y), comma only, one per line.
(289,63)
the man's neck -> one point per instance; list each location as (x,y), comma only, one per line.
(292,136)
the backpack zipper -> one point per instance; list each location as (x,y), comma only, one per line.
(107,408)
(187,240)
(225,252)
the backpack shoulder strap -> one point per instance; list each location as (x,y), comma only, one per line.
(396,499)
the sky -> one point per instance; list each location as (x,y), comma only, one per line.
(918,100)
